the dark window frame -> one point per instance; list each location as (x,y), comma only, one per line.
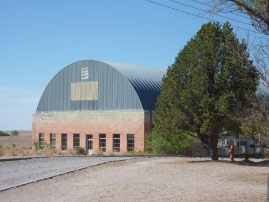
(76,141)
(41,141)
(116,142)
(102,142)
(64,141)
(53,140)
(130,142)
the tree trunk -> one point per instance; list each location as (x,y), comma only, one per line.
(215,155)
(214,147)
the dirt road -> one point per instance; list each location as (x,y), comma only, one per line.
(152,179)
(19,172)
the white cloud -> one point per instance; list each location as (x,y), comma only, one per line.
(17,95)
(27,100)
(4,92)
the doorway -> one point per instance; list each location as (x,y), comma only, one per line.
(89,144)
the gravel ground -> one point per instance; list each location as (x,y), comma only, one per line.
(152,179)
(15,173)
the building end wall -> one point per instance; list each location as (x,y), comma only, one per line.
(109,123)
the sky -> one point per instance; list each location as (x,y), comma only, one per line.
(40,37)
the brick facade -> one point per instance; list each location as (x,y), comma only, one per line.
(122,123)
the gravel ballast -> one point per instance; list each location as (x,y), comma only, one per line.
(20,172)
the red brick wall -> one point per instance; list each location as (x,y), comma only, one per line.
(136,128)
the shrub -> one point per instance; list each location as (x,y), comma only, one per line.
(139,153)
(46,146)
(246,157)
(36,145)
(2,152)
(176,145)
(3,134)
(81,150)
(266,154)
(14,133)
(13,146)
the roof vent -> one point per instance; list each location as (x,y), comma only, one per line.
(84,73)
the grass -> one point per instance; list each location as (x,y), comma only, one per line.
(140,153)
(12,150)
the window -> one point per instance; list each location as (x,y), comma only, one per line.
(116,142)
(102,142)
(41,141)
(64,141)
(52,140)
(130,142)
(89,143)
(76,141)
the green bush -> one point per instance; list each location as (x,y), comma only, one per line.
(3,134)
(81,150)
(46,145)
(176,145)
(266,154)
(13,146)
(139,153)
(246,157)
(36,145)
(14,133)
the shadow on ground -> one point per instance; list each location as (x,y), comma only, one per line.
(263,163)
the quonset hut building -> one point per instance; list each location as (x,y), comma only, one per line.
(104,107)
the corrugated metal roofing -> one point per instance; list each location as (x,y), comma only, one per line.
(121,87)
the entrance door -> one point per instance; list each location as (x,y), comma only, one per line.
(89,144)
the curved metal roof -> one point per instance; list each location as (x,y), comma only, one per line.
(146,81)
(120,87)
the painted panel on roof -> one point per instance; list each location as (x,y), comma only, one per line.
(84,90)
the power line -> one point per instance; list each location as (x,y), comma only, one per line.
(199,16)
(220,9)
(208,12)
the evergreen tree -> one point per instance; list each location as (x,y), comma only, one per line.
(204,92)
(14,133)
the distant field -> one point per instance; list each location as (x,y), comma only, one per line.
(24,139)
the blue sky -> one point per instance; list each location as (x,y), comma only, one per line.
(40,37)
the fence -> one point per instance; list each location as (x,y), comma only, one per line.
(242,147)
